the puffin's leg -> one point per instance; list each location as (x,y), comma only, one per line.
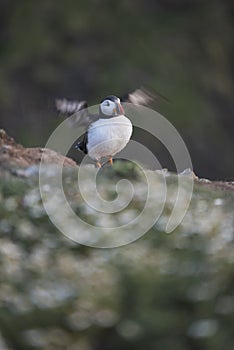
(98,164)
(111,161)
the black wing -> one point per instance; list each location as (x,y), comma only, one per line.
(77,111)
(142,97)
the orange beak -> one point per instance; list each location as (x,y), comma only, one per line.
(120,109)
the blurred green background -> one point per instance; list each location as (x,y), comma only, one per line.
(163,291)
(88,49)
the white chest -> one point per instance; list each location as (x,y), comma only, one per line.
(107,137)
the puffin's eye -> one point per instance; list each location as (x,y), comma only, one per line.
(107,103)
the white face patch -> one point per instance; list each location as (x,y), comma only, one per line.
(108,107)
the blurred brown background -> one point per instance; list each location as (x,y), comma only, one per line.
(88,49)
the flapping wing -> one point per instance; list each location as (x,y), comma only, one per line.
(143,97)
(77,111)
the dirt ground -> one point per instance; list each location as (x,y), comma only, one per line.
(14,155)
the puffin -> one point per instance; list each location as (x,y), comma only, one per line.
(106,132)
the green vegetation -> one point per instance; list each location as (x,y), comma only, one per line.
(164,291)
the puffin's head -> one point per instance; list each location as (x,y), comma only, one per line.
(111,106)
